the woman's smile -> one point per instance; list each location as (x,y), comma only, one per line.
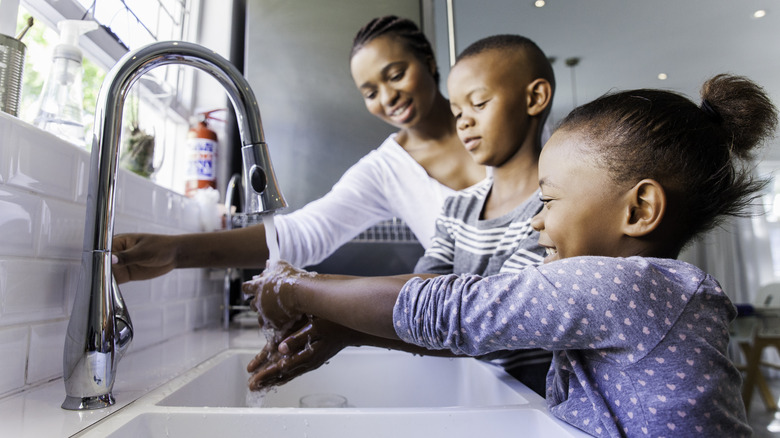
(401,113)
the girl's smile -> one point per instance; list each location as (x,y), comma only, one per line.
(583,211)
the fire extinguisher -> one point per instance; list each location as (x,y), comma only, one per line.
(201,155)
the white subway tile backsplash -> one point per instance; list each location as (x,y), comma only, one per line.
(175,319)
(136,293)
(167,207)
(42,163)
(13,358)
(137,195)
(145,226)
(189,280)
(196,313)
(82,178)
(190,215)
(147,325)
(213,308)
(43,191)
(5,159)
(125,224)
(20,217)
(165,288)
(62,230)
(46,345)
(33,290)
(6,139)
(7,142)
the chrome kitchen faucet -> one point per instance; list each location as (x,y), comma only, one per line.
(100,329)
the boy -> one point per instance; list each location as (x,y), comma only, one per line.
(501,90)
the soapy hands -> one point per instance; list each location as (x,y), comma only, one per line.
(298,343)
(304,347)
(273,300)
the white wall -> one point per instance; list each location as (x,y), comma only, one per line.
(43,184)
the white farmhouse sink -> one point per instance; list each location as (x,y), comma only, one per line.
(389,394)
(367,377)
(316,423)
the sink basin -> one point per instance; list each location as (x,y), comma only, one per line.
(389,394)
(367,377)
(320,423)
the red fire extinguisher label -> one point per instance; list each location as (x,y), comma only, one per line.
(201,159)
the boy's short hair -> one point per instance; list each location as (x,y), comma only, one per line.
(539,63)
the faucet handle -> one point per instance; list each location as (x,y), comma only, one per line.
(261,188)
(124,325)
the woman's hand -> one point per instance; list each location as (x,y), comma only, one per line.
(142,256)
(304,348)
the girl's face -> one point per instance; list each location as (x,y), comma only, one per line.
(396,86)
(583,209)
(488,100)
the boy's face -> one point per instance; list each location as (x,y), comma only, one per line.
(488,98)
(396,86)
(583,209)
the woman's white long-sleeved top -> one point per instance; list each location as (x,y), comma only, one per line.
(387,183)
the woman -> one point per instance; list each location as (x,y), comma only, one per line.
(408,176)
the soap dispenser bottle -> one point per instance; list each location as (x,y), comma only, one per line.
(60,106)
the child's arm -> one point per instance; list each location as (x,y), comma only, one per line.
(309,347)
(590,303)
(283,294)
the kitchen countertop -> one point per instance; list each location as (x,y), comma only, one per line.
(37,412)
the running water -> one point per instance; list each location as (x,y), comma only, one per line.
(270,238)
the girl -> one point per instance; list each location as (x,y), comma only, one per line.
(408,176)
(639,338)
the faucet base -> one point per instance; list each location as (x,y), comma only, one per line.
(86,403)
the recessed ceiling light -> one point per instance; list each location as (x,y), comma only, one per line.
(662,76)
(759,13)
(539,3)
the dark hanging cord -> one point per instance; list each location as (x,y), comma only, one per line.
(154,37)
(90,8)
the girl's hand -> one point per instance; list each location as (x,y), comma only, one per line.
(273,295)
(270,354)
(314,342)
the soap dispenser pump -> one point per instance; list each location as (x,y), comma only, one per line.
(60,108)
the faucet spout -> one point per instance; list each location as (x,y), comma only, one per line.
(100,329)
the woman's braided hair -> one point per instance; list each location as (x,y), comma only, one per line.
(403,29)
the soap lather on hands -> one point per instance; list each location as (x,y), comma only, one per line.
(299,342)
(275,308)
(277,363)
(310,343)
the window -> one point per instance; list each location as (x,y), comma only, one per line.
(771,203)
(158,102)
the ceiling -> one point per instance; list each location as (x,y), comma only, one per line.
(625,44)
